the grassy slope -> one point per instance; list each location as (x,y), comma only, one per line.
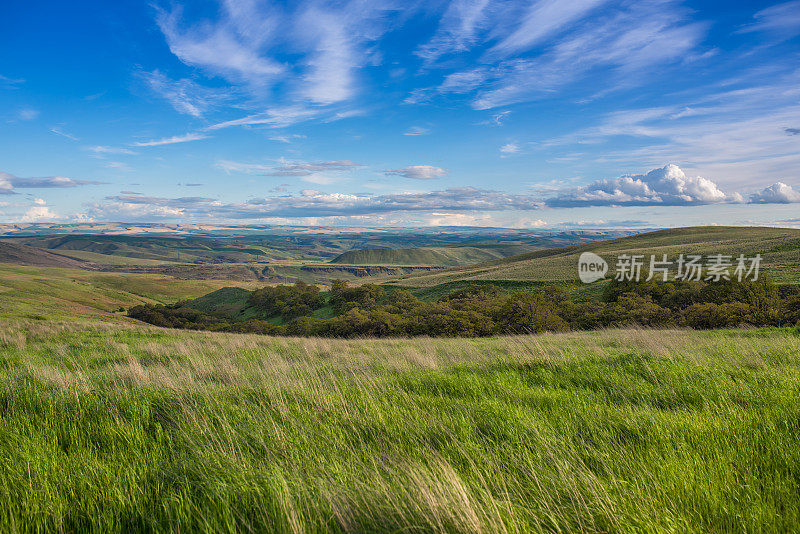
(18,254)
(53,292)
(108,259)
(227,301)
(428,255)
(780,248)
(118,428)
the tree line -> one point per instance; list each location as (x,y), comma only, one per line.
(484,310)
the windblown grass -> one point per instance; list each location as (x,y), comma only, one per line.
(118,428)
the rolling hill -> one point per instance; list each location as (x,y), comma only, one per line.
(449,256)
(779,247)
(35,257)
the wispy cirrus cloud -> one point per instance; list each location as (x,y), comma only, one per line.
(58,131)
(10,83)
(538,48)
(231,47)
(185,95)
(542,20)
(172,140)
(102,149)
(246,45)
(780,21)
(458,29)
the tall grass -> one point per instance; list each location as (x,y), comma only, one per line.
(119,428)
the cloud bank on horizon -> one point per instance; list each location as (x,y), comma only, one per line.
(405,113)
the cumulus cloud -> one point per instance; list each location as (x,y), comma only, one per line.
(668,186)
(9,182)
(777,193)
(39,212)
(418,172)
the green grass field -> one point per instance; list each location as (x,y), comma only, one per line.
(128,428)
(109,425)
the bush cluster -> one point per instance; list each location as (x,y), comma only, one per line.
(483,310)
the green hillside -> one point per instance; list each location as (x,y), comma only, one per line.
(779,247)
(27,291)
(226,301)
(449,256)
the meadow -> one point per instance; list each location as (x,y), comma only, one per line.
(126,428)
(111,425)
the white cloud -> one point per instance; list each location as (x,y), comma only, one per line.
(172,140)
(10,83)
(737,134)
(9,182)
(313,203)
(417,130)
(185,95)
(119,165)
(277,117)
(231,48)
(780,20)
(777,193)
(418,172)
(247,45)
(543,19)
(38,212)
(331,64)
(287,138)
(287,168)
(546,45)
(27,114)
(457,30)
(99,149)
(510,148)
(58,131)
(668,186)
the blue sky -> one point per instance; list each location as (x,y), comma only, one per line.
(587,113)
